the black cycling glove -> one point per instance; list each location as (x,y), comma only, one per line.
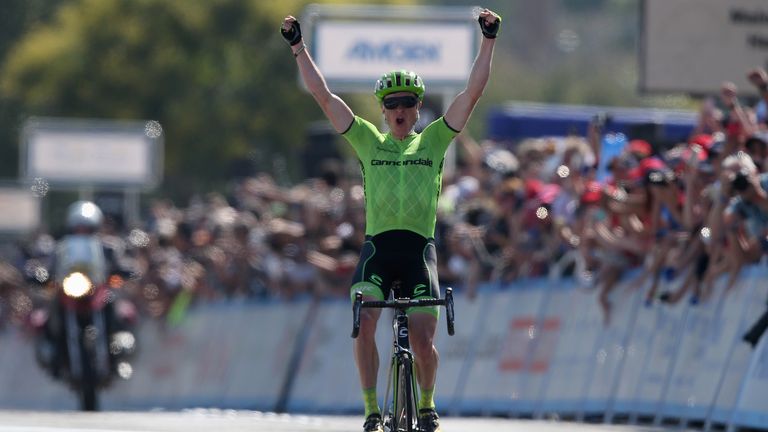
(293,35)
(489,30)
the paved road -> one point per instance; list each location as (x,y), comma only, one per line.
(235,421)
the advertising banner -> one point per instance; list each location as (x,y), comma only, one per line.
(739,354)
(573,358)
(228,354)
(327,378)
(694,45)
(662,342)
(363,51)
(26,385)
(495,379)
(752,408)
(457,351)
(353,45)
(751,405)
(701,357)
(612,347)
(535,347)
(558,390)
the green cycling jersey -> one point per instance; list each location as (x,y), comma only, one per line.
(401,178)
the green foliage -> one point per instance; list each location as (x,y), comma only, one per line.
(203,69)
(16,18)
(215,73)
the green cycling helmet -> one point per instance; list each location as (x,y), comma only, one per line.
(399,81)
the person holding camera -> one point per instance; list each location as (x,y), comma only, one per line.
(402,177)
(746,217)
(747,213)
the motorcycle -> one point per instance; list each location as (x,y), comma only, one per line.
(86,335)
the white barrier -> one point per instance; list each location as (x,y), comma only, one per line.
(233,356)
(457,351)
(538,347)
(496,374)
(24,386)
(326,379)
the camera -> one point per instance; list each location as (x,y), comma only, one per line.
(659,177)
(740,182)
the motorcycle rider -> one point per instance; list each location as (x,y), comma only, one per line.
(84,220)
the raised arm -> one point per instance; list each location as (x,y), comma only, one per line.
(461,108)
(759,78)
(337,111)
(728,95)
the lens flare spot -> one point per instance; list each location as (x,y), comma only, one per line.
(706,232)
(357,193)
(40,187)
(337,195)
(138,238)
(125,370)
(153,129)
(568,41)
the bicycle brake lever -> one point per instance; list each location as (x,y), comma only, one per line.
(449,314)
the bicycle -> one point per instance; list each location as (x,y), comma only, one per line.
(401,415)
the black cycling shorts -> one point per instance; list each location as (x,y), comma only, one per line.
(401,260)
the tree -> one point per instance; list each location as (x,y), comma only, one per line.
(16,18)
(213,73)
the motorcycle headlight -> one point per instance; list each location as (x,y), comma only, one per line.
(76,285)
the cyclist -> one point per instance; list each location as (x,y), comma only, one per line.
(402,175)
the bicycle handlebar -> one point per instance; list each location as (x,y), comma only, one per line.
(402,304)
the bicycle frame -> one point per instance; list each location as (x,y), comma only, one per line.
(401,413)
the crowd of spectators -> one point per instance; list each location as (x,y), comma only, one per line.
(696,210)
(670,219)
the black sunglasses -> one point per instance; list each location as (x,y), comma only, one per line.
(397,101)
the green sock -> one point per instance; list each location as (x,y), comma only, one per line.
(371,404)
(427,399)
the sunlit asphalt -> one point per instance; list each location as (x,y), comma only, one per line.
(233,421)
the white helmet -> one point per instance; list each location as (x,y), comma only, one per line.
(84,214)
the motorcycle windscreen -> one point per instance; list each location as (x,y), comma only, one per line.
(81,253)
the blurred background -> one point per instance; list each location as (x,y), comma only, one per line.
(218,76)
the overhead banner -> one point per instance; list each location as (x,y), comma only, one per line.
(361,52)
(354,47)
(692,46)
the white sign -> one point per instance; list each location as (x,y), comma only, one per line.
(362,51)
(694,45)
(19,210)
(80,153)
(354,45)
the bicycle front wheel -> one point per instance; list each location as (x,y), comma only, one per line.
(405,417)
